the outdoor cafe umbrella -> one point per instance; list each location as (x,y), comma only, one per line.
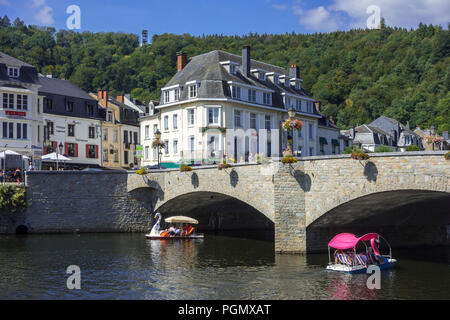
(54,157)
(10,152)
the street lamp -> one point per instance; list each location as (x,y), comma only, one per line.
(292,112)
(60,146)
(433,133)
(157,138)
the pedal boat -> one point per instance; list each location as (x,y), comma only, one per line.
(352,262)
(156,234)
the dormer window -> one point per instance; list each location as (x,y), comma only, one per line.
(166,96)
(13,72)
(261,76)
(232,69)
(193,91)
(276,79)
(177,94)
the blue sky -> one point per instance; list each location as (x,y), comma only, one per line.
(226,17)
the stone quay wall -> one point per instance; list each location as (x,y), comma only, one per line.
(62,202)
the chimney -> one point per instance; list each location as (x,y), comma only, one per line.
(103,94)
(294,72)
(120,99)
(100,94)
(246,61)
(181,60)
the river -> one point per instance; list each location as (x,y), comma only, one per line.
(127,266)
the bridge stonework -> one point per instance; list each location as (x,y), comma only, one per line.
(293,196)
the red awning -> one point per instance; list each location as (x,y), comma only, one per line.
(349,240)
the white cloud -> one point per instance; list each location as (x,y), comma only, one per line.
(346,14)
(45,16)
(37,3)
(280,6)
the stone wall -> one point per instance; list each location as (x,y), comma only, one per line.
(82,202)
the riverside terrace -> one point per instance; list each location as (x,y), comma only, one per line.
(303,204)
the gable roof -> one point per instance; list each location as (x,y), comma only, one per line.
(213,77)
(11,61)
(62,87)
(27,75)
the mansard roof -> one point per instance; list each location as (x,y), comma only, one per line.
(62,88)
(27,75)
(213,77)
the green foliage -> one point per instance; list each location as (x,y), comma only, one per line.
(358,75)
(224,165)
(447,156)
(412,147)
(349,149)
(12,199)
(185,168)
(383,148)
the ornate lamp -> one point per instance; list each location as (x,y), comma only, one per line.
(433,130)
(292,112)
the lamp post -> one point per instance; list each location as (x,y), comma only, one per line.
(60,146)
(292,112)
(157,138)
(433,133)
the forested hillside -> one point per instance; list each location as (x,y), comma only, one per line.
(358,75)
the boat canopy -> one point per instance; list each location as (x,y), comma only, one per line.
(349,240)
(181,219)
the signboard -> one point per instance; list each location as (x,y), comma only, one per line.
(16,113)
(139,152)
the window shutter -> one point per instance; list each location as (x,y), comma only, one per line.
(45,150)
(96,152)
(66,149)
(76,149)
(87,151)
(55,145)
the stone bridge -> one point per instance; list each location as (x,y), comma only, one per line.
(304,204)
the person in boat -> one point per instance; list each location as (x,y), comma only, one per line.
(171,230)
(178,232)
(373,257)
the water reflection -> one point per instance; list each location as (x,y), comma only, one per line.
(118,266)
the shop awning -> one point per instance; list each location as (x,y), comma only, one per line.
(335,142)
(323,140)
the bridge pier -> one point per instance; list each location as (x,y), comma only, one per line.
(289,208)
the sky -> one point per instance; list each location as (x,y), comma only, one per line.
(231,17)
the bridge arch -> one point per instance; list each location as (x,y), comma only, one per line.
(405,217)
(216,211)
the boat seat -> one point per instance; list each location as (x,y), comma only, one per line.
(361,259)
(344,259)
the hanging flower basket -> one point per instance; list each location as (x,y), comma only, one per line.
(185,168)
(359,155)
(290,124)
(288,159)
(433,139)
(158,144)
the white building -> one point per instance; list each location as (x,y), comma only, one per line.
(219,103)
(21,125)
(72,123)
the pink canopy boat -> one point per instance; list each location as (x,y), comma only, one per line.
(346,259)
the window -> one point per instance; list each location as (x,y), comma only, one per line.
(71,149)
(276,79)
(166,96)
(236,92)
(39,105)
(39,133)
(125,157)
(252,120)
(213,116)
(267,98)
(297,85)
(22,102)
(105,155)
(309,106)
(237,119)
(175,146)
(71,130)
(110,116)
(115,137)
(116,156)
(251,95)
(125,136)
(50,127)
(13,72)
(287,102)
(11,130)
(192,144)
(267,122)
(91,132)
(19,131)
(91,151)
(322,147)
(147,132)
(177,94)
(298,105)
(147,149)
(155,127)
(191,117)
(166,147)
(261,75)
(136,138)
(90,109)
(8,101)
(175,121)
(193,91)
(166,123)
(48,103)
(5,130)
(105,134)
(69,106)
(311,131)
